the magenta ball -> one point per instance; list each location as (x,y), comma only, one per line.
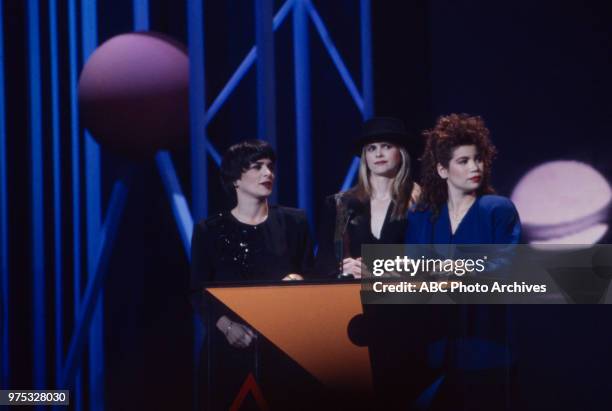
(133,93)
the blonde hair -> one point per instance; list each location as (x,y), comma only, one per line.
(401,188)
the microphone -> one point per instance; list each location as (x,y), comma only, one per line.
(342,245)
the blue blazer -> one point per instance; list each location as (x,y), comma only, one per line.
(491,219)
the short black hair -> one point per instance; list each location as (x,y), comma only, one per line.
(238,158)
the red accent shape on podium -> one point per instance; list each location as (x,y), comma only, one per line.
(309,322)
(250,385)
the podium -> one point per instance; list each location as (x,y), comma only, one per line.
(318,347)
(310,324)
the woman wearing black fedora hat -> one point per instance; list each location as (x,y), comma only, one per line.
(373,211)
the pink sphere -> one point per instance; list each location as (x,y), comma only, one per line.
(134,93)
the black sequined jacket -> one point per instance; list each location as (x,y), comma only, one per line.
(224,250)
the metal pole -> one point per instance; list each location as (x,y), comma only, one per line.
(57,188)
(366,60)
(141,15)
(4,255)
(302,106)
(75,156)
(266,98)
(199,161)
(38,245)
(93,223)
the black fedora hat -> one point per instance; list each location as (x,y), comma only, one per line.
(389,129)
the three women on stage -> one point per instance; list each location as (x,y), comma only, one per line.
(454,204)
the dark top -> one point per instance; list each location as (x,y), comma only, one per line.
(357,233)
(491,219)
(224,250)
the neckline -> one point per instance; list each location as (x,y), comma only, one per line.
(384,221)
(450,226)
(265,220)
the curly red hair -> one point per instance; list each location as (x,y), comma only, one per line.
(450,132)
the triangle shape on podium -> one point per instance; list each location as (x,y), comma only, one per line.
(309,323)
(250,386)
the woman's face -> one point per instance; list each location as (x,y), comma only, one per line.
(465,169)
(257,181)
(383,159)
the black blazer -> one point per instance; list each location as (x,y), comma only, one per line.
(224,250)
(357,233)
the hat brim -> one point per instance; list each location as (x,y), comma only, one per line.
(412,144)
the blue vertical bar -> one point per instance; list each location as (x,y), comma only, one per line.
(57,189)
(141,15)
(4,285)
(367,82)
(266,98)
(197,110)
(38,256)
(93,223)
(366,59)
(199,161)
(302,106)
(76,180)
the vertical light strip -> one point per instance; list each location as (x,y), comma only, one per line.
(38,249)
(197,109)
(141,15)
(266,100)
(367,83)
(93,219)
(4,264)
(266,89)
(57,189)
(302,107)
(199,161)
(75,159)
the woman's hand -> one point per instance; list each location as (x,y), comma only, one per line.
(293,277)
(352,266)
(237,335)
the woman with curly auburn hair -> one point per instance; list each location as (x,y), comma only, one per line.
(457,204)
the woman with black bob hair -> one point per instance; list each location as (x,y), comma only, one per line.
(374,210)
(253,241)
(457,202)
